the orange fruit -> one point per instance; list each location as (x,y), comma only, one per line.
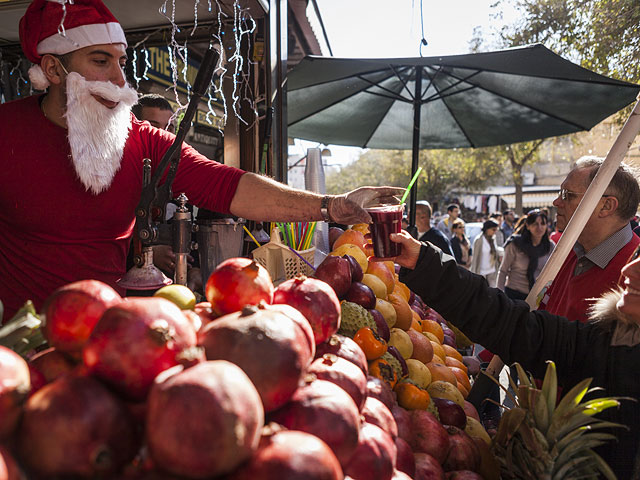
(403,290)
(442,372)
(433,327)
(461,377)
(438,351)
(431,336)
(361,227)
(417,318)
(452,352)
(392,267)
(350,237)
(403,311)
(463,390)
(415,325)
(381,271)
(454,362)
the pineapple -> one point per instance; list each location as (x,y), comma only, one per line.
(538,440)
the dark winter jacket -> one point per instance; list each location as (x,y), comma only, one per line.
(606,349)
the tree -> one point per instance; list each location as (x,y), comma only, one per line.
(601,35)
(518,155)
(442,171)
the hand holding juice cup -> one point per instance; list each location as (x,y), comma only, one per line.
(386,219)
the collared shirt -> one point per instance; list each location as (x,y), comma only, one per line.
(603,253)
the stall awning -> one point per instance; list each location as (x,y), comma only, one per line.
(531,200)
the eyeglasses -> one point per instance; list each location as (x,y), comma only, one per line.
(565,194)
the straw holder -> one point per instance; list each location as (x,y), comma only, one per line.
(281,263)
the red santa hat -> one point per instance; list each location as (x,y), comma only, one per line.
(59,27)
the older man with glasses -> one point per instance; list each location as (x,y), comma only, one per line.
(603,247)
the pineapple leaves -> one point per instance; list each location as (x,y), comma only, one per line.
(537,440)
(550,387)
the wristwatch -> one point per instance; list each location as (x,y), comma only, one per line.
(324,209)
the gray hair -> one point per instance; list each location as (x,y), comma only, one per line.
(623,186)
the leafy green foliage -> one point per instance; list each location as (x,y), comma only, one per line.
(601,35)
(443,171)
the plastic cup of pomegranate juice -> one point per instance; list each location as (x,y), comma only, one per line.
(386,219)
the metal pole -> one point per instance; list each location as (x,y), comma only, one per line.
(278,47)
(417,104)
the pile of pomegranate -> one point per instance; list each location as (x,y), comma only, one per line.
(255,383)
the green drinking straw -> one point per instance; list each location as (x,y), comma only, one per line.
(413,180)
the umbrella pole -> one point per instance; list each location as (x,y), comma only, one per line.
(417,104)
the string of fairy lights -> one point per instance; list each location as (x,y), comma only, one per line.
(231,32)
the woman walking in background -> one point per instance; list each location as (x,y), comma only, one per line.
(526,252)
(460,244)
(485,259)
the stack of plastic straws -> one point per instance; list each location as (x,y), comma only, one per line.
(297,235)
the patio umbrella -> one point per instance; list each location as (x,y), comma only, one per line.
(472,100)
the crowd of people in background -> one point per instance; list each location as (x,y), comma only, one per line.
(533,237)
(587,320)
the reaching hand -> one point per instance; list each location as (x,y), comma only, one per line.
(348,208)
(410,249)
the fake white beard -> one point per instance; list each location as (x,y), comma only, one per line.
(97,134)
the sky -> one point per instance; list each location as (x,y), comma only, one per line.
(373,29)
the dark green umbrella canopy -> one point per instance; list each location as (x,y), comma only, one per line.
(473,100)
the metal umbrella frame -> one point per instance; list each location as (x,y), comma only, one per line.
(456,101)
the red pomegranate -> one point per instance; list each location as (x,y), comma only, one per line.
(52,364)
(15,384)
(290,454)
(429,436)
(336,272)
(9,469)
(470,410)
(450,412)
(344,374)
(297,317)
(400,475)
(375,456)
(36,380)
(203,421)
(376,413)
(72,312)
(346,348)
(237,282)
(427,467)
(136,340)
(268,345)
(463,475)
(463,452)
(205,312)
(316,300)
(378,389)
(75,426)
(325,410)
(405,461)
(403,422)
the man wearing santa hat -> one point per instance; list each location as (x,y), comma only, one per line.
(71,162)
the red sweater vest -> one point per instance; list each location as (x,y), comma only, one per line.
(571,296)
